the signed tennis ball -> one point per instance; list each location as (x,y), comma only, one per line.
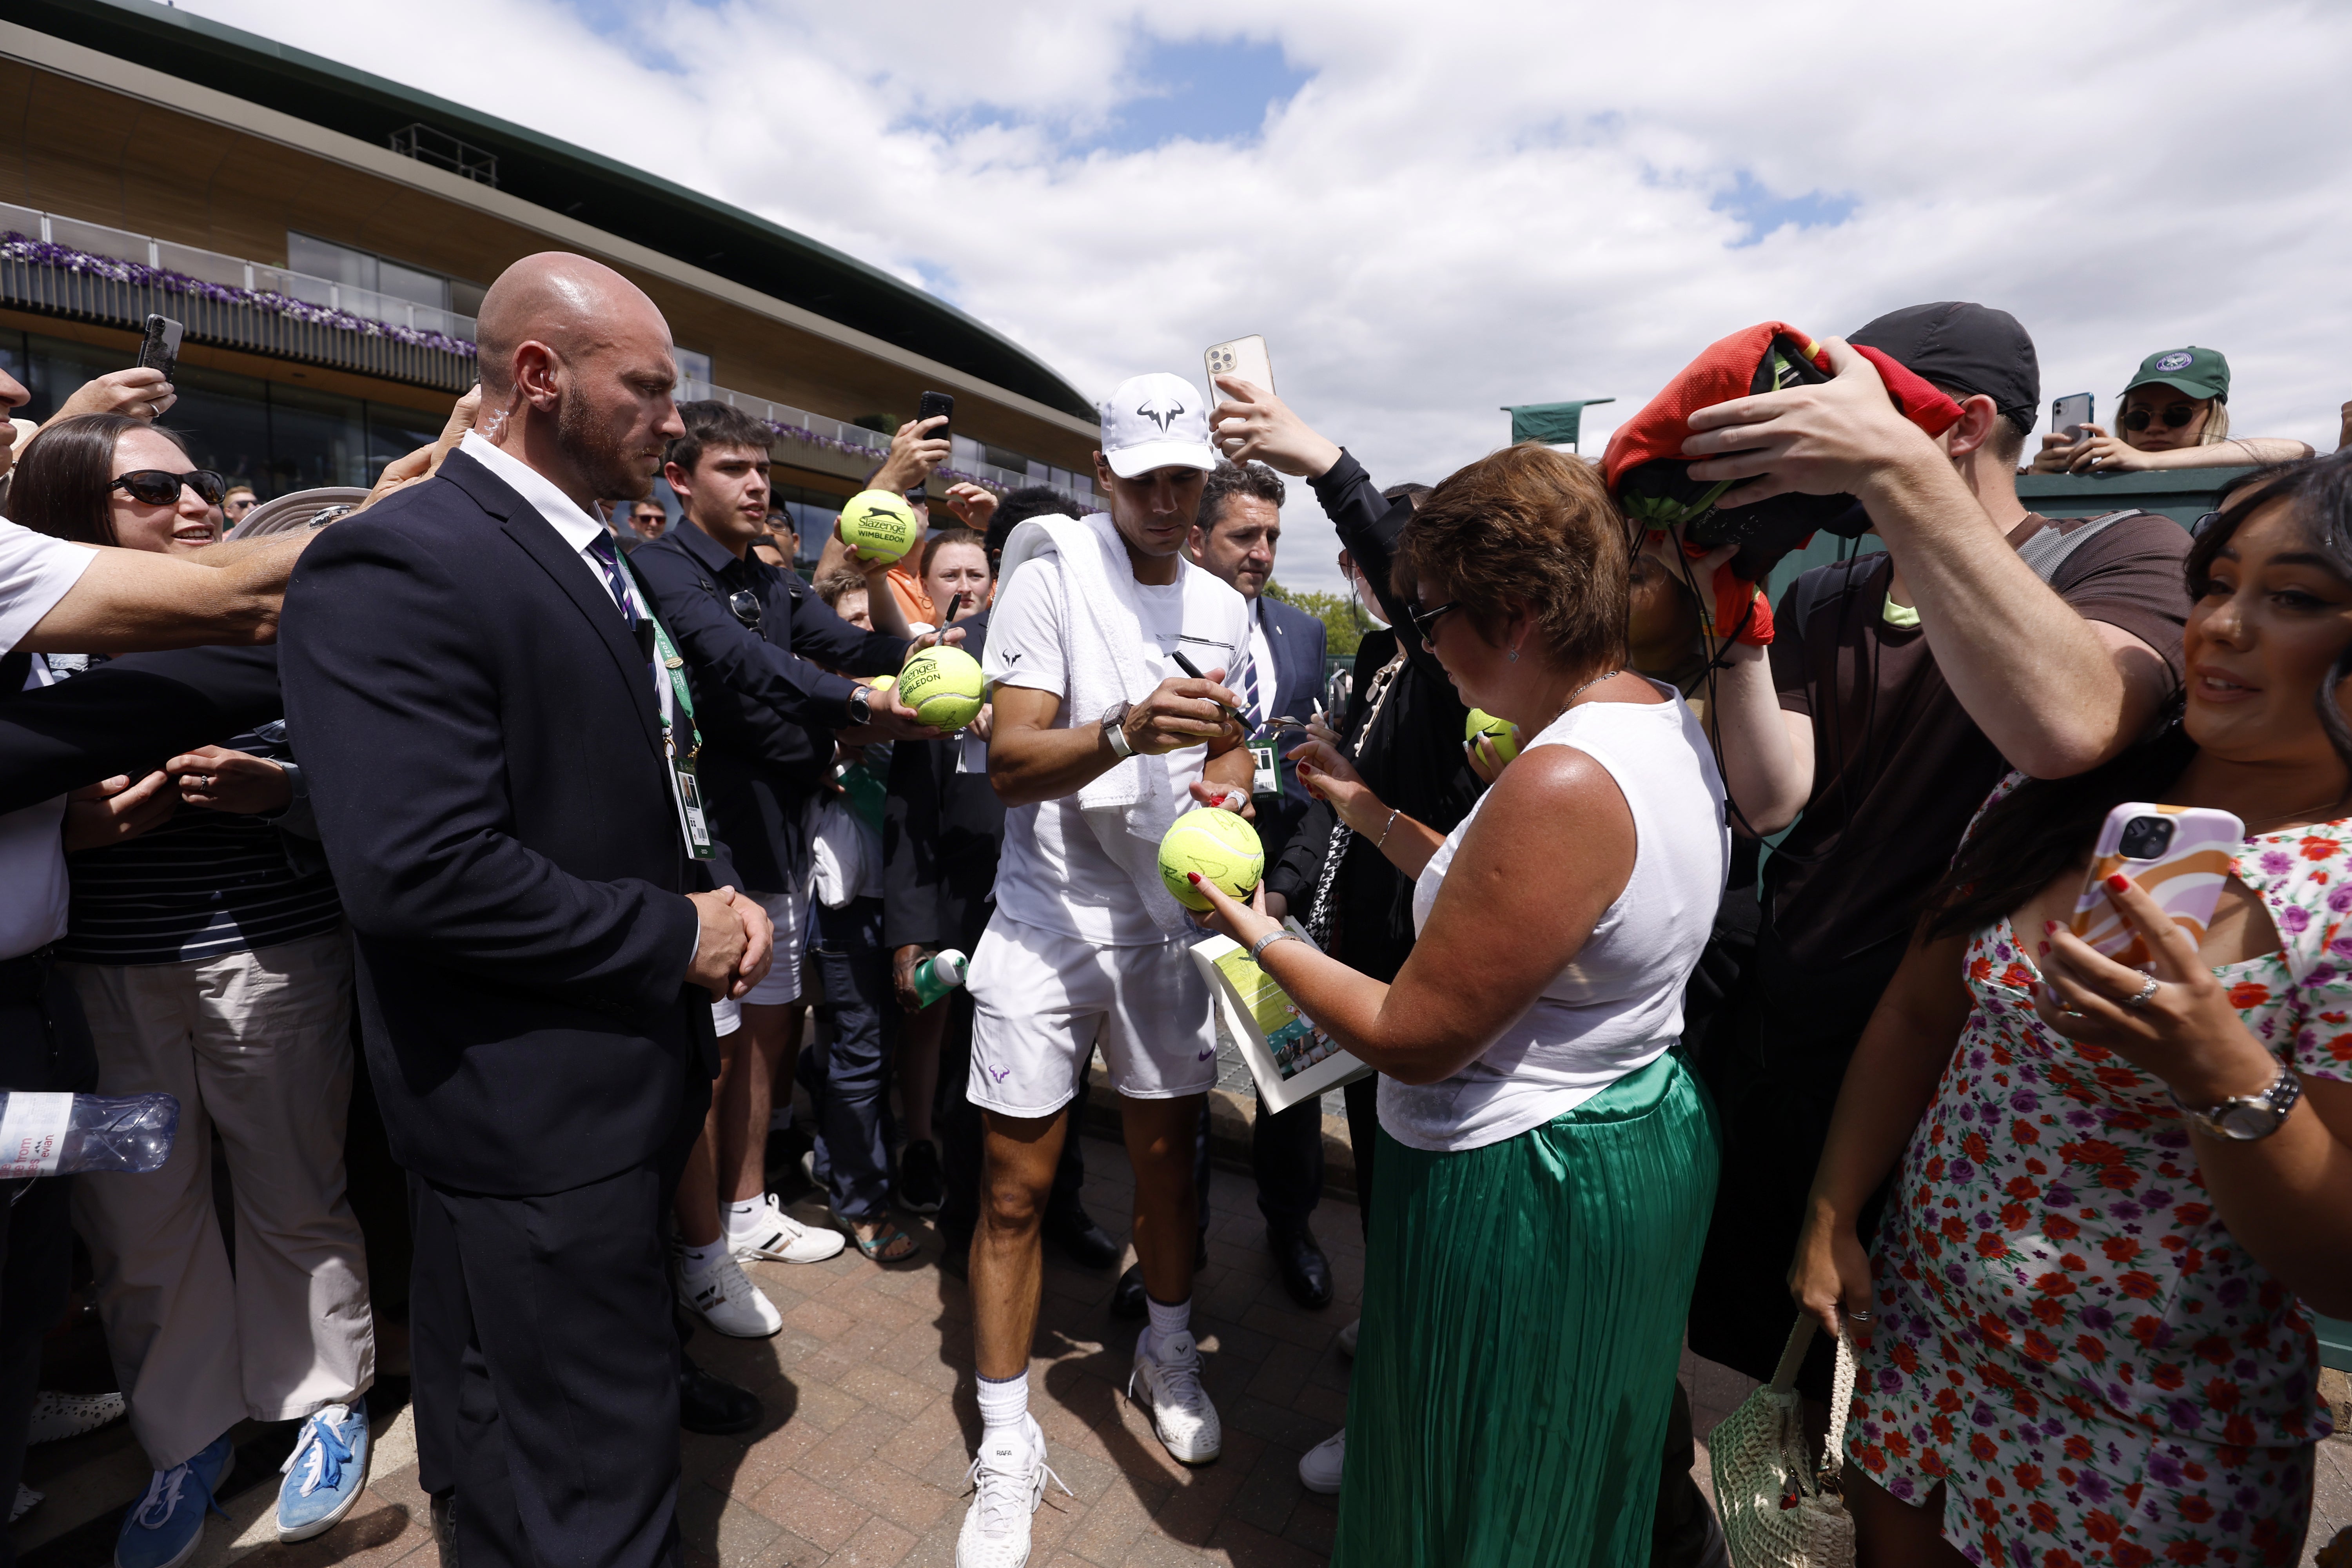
(943,686)
(1504,734)
(1218,845)
(880,524)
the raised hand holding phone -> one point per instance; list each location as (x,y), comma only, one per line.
(2178,855)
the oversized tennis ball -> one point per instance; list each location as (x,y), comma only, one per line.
(1504,734)
(883,682)
(943,686)
(1218,845)
(880,524)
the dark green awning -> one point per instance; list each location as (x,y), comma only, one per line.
(1553,424)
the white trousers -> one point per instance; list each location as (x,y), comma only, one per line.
(258,1048)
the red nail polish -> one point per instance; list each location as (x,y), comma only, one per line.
(2042,949)
(1193,875)
(2119,883)
(2048,927)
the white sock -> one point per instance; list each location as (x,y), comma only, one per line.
(743,1218)
(1167,1322)
(699,1259)
(1003,1402)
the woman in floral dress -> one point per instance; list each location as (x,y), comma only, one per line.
(2081,1336)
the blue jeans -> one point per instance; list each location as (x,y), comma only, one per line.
(856,1040)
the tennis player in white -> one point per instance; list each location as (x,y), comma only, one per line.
(1101,740)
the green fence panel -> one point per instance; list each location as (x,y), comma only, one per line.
(2181,494)
(2334,1343)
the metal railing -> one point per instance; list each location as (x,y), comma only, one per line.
(233,272)
(426,145)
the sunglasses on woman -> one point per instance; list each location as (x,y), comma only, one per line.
(2177,415)
(154,487)
(1422,620)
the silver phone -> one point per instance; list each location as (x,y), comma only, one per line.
(2070,415)
(1245,358)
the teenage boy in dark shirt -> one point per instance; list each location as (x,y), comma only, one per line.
(1900,689)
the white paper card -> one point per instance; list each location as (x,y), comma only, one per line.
(1290,1057)
(33,1133)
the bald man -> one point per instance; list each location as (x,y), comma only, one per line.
(494,739)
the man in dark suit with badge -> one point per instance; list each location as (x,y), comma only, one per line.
(500,741)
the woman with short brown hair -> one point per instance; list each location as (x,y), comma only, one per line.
(1546,1165)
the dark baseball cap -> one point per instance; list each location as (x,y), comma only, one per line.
(2199,372)
(1971,349)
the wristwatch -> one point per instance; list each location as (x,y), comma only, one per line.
(2246,1118)
(860,713)
(1114,726)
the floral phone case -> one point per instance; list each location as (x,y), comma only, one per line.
(2184,874)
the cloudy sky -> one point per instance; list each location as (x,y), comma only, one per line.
(1429,211)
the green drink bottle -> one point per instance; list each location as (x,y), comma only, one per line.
(939,974)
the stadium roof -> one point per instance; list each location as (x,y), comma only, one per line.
(652,212)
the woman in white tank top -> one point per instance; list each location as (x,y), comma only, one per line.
(1546,1165)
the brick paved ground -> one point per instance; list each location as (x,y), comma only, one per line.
(871,1423)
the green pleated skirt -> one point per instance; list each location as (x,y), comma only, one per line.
(1522,1325)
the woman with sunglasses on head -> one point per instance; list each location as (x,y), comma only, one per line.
(1547,1165)
(214,968)
(2082,1330)
(2176,415)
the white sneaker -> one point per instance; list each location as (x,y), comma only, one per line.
(1181,1414)
(728,1302)
(1347,1337)
(772,1235)
(1008,1478)
(27,1498)
(1320,1466)
(56,1416)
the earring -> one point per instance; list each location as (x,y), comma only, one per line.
(1513,656)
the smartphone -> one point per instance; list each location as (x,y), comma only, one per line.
(2179,854)
(2069,414)
(160,350)
(1243,357)
(933,404)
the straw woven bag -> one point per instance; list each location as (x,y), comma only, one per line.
(1778,1510)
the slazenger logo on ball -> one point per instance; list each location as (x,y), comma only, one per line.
(2173,361)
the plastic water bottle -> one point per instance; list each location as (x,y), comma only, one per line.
(61,1135)
(939,974)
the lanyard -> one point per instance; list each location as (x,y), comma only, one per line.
(686,787)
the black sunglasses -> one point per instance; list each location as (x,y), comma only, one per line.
(1423,619)
(154,487)
(2177,415)
(746,606)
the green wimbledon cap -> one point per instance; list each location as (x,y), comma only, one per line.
(2199,372)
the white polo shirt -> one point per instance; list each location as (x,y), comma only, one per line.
(36,571)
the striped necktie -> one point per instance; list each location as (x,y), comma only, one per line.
(608,561)
(1248,689)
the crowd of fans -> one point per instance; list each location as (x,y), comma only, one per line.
(368,868)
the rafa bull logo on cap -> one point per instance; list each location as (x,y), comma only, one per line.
(1160,412)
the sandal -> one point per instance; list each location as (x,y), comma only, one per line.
(879,1249)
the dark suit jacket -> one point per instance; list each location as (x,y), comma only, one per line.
(484,750)
(940,833)
(128,716)
(1297,639)
(767,714)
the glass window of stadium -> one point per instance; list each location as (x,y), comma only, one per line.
(268,435)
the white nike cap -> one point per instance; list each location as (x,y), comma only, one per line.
(1156,421)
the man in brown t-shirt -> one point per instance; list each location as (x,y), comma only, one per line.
(1902,685)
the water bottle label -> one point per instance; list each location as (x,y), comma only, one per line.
(33,1133)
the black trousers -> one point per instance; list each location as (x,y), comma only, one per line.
(546,1371)
(963,1135)
(1286,1157)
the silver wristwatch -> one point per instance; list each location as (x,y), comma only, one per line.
(2246,1118)
(1114,728)
(860,706)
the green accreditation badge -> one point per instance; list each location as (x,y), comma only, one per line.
(1265,760)
(677,715)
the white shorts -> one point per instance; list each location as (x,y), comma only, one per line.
(726,1016)
(782,981)
(1042,1002)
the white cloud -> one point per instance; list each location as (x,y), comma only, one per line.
(1464,208)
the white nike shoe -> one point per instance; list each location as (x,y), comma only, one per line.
(726,1301)
(1320,1466)
(1008,1478)
(1170,1379)
(772,1235)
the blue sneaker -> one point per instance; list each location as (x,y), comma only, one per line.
(163,1529)
(325,1473)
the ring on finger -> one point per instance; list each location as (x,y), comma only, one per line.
(2139,998)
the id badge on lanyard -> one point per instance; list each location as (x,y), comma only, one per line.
(685,788)
(1266,759)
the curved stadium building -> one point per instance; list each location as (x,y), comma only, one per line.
(325,235)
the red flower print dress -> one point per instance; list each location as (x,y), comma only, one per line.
(2068,1336)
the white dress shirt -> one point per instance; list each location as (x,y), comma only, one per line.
(33,860)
